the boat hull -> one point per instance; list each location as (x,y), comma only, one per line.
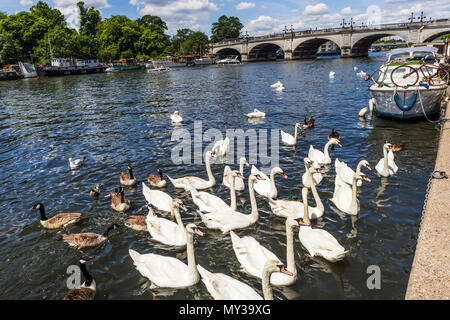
(9,75)
(55,72)
(407,103)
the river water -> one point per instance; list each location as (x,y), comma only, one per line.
(123,118)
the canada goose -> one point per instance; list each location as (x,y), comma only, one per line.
(127,178)
(334,135)
(156,181)
(74,164)
(138,223)
(88,289)
(95,191)
(60,220)
(118,200)
(397,147)
(309,123)
(86,239)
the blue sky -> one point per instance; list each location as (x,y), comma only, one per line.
(259,17)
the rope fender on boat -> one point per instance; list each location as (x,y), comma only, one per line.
(409,105)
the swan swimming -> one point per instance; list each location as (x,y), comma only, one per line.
(386,167)
(266,187)
(322,157)
(239,182)
(176,118)
(256,114)
(331,74)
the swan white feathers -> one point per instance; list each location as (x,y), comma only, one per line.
(176,118)
(157,198)
(386,167)
(76,163)
(291,140)
(266,187)
(238,182)
(322,157)
(256,114)
(346,173)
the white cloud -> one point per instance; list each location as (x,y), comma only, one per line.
(177,13)
(70,10)
(245,5)
(347,11)
(317,9)
(263,25)
(263,7)
(26,2)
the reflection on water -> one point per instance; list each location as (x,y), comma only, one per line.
(124,118)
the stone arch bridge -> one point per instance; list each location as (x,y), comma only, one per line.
(352,41)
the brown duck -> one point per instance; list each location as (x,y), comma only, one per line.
(88,289)
(309,123)
(156,181)
(86,239)
(397,147)
(118,200)
(60,220)
(127,178)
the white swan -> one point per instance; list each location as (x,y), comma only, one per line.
(318,242)
(287,208)
(355,68)
(226,220)
(317,176)
(256,114)
(322,157)
(252,255)
(223,287)
(361,74)
(207,202)
(168,272)
(176,118)
(266,187)
(196,182)
(280,88)
(220,148)
(166,231)
(157,198)
(238,182)
(347,173)
(386,167)
(331,74)
(363,111)
(276,84)
(288,139)
(75,164)
(344,197)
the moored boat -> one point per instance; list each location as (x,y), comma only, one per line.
(410,84)
(66,67)
(127,64)
(28,70)
(8,72)
(231,59)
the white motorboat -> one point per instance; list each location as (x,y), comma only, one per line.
(203,61)
(28,70)
(159,69)
(230,59)
(169,62)
(112,69)
(409,84)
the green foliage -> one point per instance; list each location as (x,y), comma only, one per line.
(9,49)
(148,20)
(225,28)
(43,33)
(89,20)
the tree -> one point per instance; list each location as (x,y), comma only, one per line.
(225,28)
(148,20)
(9,49)
(3,15)
(59,42)
(196,43)
(181,36)
(152,42)
(89,20)
(53,17)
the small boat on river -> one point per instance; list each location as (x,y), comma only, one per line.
(231,59)
(28,69)
(410,84)
(9,73)
(66,67)
(127,64)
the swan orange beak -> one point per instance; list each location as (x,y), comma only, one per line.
(183,207)
(247,164)
(339,144)
(198,232)
(259,177)
(302,223)
(366,179)
(318,170)
(368,167)
(240,175)
(284,175)
(286,271)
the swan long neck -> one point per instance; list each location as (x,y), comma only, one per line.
(295,133)
(319,204)
(353,203)
(267,289)
(208,170)
(290,250)
(233,193)
(176,213)
(192,266)
(273,188)
(358,168)
(325,150)
(241,167)
(386,165)
(305,208)
(254,213)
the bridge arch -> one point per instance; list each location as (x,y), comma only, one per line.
(223,52)
(263,51)
(361,47)
(430,35)
(308,48)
